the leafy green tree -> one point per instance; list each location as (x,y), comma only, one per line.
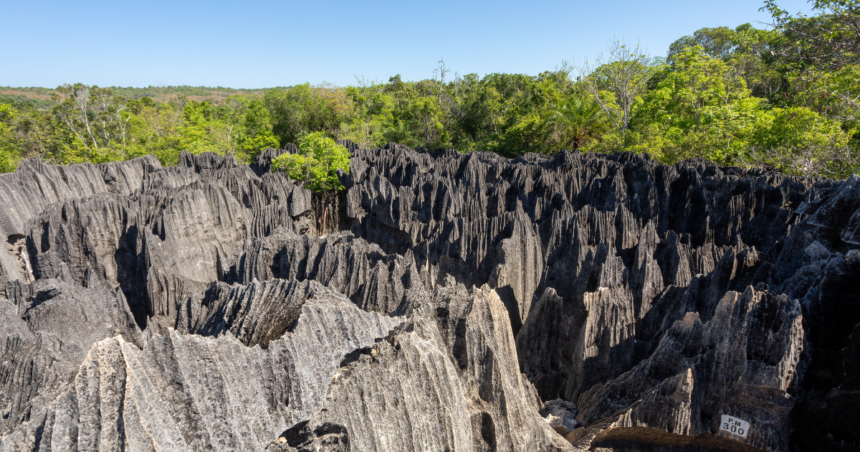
(830,40)
(754,58)
(820,55)
(532,126)
(719,42)
(402,125)
(800,142)
(9,155)
(154,128)
(258,134)
(484,111)
(34,133)
(96,118)
(417,121)
(222,128)
(196,132)
(698,81)
(371,115)
(315,166)
(530,133)
(833,93)
(506,113)
(305,108)
(136,106)
(746,49)
(701,109)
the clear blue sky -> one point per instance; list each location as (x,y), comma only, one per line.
(255,44)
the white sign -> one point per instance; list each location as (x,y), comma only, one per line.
(734,426)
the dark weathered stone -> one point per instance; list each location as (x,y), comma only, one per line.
(653,297)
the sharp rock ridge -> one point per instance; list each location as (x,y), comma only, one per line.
(197,306)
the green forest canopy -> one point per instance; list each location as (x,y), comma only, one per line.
(786,98)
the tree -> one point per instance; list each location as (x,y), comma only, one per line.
(315,167)
(9,155)
(258,134)
(799,142)
(830,40)
(835,94)
(702,108)
(717,42)
(745,49)
(623,75)
(155,128)
(95,117)
(506,113)
(197,133)
(440,72)
(578,120)
(30,133)
(372,112)
(305,108)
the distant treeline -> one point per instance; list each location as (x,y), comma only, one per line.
(41,98)
(786,99)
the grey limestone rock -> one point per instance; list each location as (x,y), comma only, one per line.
(189,392)
(445,380)
(746,361)
(26,193)
(373,279)
(560,413)
(143,307)
(47,328)
(629,247)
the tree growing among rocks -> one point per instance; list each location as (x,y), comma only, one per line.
(315,167)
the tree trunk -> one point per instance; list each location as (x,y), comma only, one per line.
(323,202)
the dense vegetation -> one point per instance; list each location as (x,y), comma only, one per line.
(786,98)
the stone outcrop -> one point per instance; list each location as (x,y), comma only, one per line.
(628,249)
(445,380)
(561,415)
(177,308)
(190,392)
(745,361)
(374,280)
(46,330)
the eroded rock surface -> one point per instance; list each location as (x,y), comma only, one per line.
(189,392)
(182,308)
(445,380)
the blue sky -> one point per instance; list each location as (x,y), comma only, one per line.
(257,44)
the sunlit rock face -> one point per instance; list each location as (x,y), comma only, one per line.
(197,307)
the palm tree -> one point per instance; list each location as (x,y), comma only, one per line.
(578,119)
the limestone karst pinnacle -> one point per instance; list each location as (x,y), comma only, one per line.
(198,308)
